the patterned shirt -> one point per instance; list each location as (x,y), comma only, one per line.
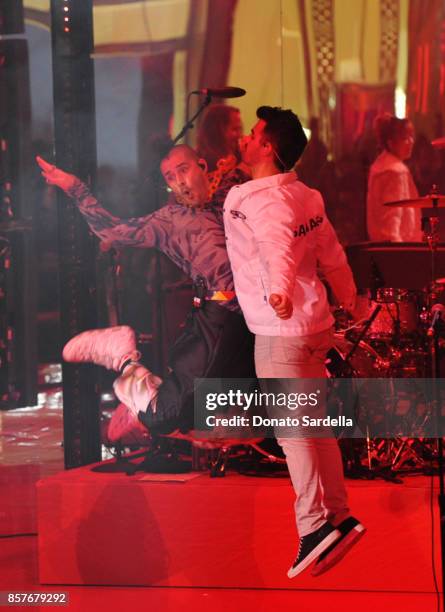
(192,238)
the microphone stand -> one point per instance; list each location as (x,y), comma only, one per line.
(189,124)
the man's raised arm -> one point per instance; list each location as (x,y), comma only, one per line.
(143,231)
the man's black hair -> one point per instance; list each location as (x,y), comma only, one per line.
(286,135)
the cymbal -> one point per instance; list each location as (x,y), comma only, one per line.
(428,201)
(439,143)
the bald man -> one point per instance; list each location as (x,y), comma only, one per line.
(215,342)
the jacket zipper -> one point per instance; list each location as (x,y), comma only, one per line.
(264,289)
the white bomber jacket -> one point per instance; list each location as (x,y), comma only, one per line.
(277,235)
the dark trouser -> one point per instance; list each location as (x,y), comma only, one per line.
(215,344)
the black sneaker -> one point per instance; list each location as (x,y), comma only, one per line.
(311,546)
(351,531)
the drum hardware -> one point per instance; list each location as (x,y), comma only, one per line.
(386,455)
(360,456)
(413,453)
(414,359)
(399,346)
(433,200)
(397,455)
(407,358)
(434,334)
(412,449)
(377,455)
(355,343)
(376,465)
(431,236)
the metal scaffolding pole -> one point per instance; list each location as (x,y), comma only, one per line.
(75,151)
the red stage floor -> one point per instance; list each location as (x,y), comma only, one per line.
(18,557)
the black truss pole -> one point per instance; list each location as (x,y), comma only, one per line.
(75,149)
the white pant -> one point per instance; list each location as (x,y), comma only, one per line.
(314,464)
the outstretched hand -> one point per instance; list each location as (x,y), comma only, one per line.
(55,176)
(282,305)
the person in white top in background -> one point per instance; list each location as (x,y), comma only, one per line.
(277,234)
(390,180)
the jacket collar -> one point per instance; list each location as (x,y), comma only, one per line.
(275,180)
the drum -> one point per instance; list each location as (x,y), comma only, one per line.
(365,362)
(376,359)
(399,313)
(380,408)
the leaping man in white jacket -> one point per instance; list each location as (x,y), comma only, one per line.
(277,236)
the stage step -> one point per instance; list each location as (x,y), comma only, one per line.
(190,530)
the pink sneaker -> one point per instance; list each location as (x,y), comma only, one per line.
(109,347)
(125,427)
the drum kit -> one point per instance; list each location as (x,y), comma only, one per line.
(393,339)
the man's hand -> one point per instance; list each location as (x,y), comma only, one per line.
(282,305)
(55,176)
